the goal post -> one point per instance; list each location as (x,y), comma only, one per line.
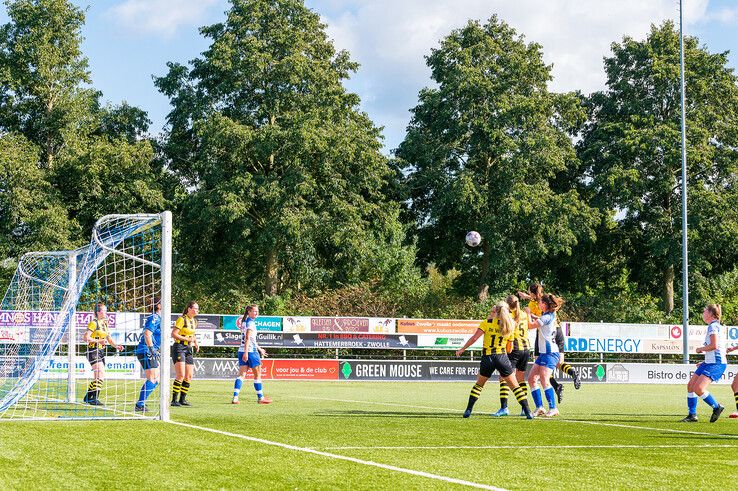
(49,368)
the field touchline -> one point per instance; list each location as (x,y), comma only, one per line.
(342,457)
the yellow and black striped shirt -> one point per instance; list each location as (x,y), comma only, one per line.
(98,332)
(494,343)
(520,335)
(186,328)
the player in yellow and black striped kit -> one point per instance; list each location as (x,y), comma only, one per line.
(518,353)
(497,331)
(183,334)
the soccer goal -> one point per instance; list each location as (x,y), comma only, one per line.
(49,367)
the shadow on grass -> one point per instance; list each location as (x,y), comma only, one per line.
(391,414)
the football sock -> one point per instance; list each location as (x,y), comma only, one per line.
(551,398)
(707,397)
(504,394)
(237,387)
(692,402)
(257,388)
(473,396)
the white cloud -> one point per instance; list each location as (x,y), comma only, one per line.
(390,39)
(161,17)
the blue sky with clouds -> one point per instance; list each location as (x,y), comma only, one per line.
(128,41)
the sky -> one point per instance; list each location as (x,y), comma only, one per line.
(128,42)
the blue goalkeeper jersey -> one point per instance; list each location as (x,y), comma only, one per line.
(153,324)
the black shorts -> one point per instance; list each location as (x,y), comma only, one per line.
(96,355)
(147,360)
(519,359)
(490,363)
(182,353)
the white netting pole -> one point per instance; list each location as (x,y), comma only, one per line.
(166,312)
(72,331)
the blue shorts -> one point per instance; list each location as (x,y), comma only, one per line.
(549,360)
(254,360)
(712,370)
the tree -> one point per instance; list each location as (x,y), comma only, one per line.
(43,74)
(96,160)
(31,215)
(288,183)
(481,153)
(631,155)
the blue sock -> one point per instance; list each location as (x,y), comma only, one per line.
(257,388)
(692,402)
(536,393)
(551,398)
(237,387)
(146,389)
(707,397)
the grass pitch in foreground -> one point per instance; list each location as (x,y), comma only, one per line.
(608,437)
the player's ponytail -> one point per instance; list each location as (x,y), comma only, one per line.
(503,318)
(249,308)
(552,302)
(514,304)
(190,304)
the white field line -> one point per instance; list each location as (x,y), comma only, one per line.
(531,447)
(578,421)
(342,457)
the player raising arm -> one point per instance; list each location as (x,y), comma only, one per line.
(497,330)
(548,356)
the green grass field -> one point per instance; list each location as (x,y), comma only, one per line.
(608,437)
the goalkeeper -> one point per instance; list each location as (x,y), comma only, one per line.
(147,353)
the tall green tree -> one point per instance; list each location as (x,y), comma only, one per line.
(288,186)
(44,77)
(482,152)
(95,159)
(631,155)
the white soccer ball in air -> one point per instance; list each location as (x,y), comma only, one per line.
(473,239)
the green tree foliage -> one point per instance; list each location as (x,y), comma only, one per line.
(483,152)
(288,186)
(43,75)
(32,215)
(631,155)
(94,160)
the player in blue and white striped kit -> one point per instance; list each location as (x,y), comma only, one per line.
(249,356)
(548,358)
(711,369)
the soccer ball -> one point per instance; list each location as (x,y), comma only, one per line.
(473,239)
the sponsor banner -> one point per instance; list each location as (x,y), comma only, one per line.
(27,319)
(116,367)
(437,326)
(227,368)
(409,370)
(616,330)
(377,324)
(339,324)
(263,323)
(296,324)
(645,373)
(448,341)
(630,345)
(337,340)
(227,338)
(204,321)
(444,370)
